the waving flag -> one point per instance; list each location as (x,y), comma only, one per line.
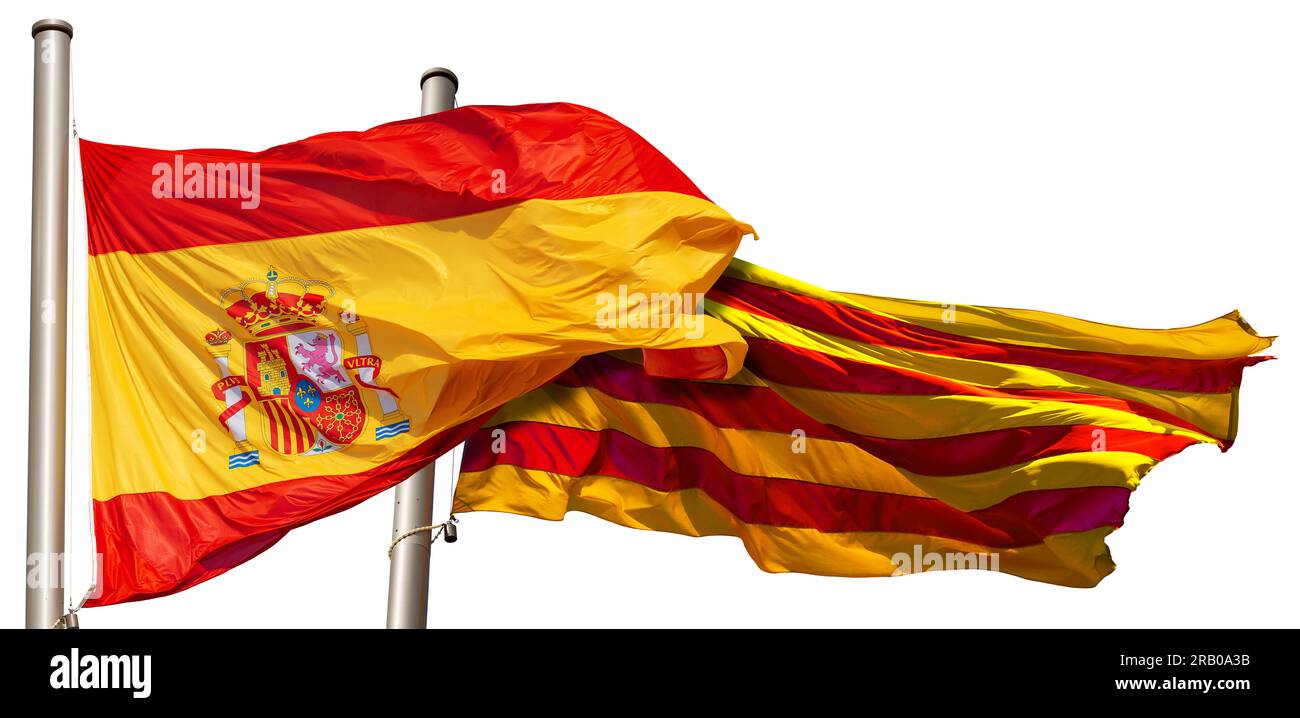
(278,335)
(872,437)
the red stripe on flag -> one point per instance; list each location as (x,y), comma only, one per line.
(417,170)
(1021,520)
(766,410)
(282,423)
(272,425)
(1152,372)
(155,544)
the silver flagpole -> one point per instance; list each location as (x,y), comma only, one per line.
(408,570)
(49,314)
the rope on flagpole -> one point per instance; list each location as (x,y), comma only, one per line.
(447,527)
(77,269)
(442,527)
(74,153)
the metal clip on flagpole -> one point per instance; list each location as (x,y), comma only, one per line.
(408,570)
(47,391)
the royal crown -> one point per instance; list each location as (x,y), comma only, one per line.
(276,304)
(217,337)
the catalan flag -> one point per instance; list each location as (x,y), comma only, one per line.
(869,436)
(277,335)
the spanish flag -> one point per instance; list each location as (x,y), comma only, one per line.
(278,335)
(869,436)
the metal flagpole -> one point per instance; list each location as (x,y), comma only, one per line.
(408,570)
(47,392)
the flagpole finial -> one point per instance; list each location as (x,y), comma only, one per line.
(41,26)
(441,72)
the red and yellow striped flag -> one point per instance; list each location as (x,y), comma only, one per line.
(278,335)
(869,436)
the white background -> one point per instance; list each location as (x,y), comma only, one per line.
(1129,162)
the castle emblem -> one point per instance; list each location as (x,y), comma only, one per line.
(306,392)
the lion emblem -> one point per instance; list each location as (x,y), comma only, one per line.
(321,358)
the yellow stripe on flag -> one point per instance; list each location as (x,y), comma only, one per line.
(520,283)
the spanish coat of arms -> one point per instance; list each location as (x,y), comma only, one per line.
(307,392)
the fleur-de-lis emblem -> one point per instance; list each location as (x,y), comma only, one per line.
(307,396)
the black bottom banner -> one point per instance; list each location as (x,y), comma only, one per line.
(681,671)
